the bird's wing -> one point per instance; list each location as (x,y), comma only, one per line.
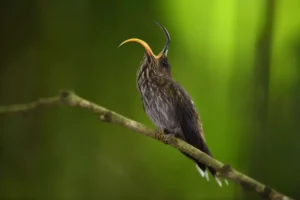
(188,118)
(184,110)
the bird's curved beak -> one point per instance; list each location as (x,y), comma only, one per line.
(146,46)
(143,43)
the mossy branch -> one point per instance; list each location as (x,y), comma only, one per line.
(69,98)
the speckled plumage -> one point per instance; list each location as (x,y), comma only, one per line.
(167,103)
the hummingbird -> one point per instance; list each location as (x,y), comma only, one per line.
(167,103)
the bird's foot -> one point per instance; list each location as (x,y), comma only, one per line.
(165,136)
(159,134)
(168,137)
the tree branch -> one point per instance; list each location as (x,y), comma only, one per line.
(69,98)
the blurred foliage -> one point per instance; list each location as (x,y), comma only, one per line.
(248,95)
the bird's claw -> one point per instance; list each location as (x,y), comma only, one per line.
(162,136)
(159,134)
(167,138)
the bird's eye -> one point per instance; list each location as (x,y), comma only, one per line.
(164,63)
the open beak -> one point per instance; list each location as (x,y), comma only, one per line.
(146,46)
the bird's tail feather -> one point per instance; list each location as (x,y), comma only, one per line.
(202,168)
(204,173)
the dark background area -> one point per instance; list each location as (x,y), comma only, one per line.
(239,60)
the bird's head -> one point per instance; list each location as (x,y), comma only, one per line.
(159,63)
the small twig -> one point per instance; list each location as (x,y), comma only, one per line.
(226,171)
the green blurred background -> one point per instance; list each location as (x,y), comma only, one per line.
(239,60)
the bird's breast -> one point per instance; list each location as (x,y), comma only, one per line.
(157,105)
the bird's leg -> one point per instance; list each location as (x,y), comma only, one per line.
(168,136)
(164,135)
(159,134)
